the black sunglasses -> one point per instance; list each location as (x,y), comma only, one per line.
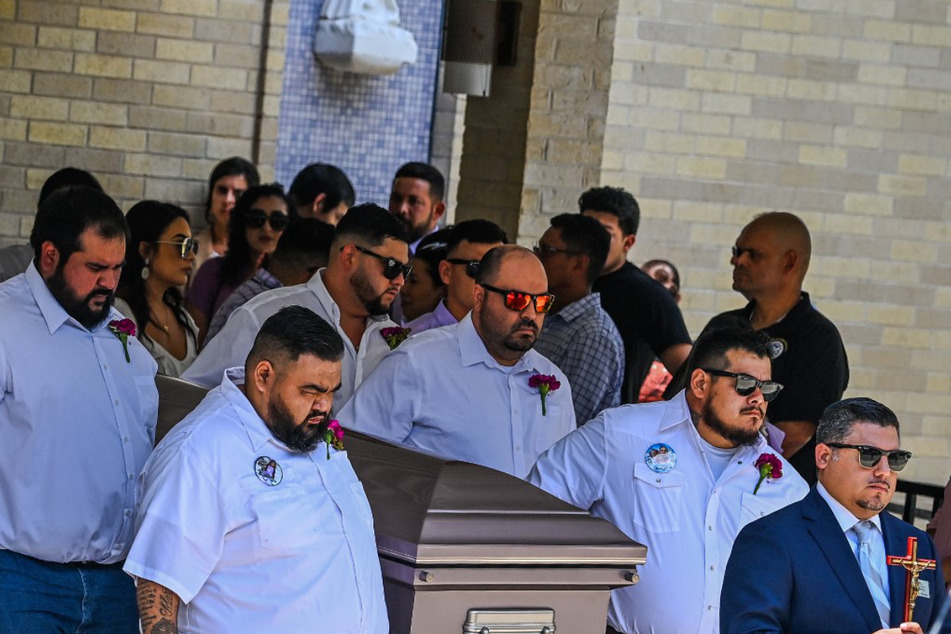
(186,246)
(870,456)
(277,220)
(544,250)
(519,301)
(472,266)
(392,268)
(745,384)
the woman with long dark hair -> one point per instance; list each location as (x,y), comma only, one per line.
(160,257)
(257,222)
(228,181)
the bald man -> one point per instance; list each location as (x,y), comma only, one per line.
(770,260)
(466,391)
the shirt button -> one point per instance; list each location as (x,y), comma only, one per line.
(709,528)
(712,567)
(116,401)
(105,367)
(131,477)
(128,512)
(709,607)
(518,448)
(125,439)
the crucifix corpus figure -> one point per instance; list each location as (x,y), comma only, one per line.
(914,566)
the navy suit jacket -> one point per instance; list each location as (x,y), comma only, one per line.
(794,571)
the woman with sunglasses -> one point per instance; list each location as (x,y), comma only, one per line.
(257,222)
(160,257)
(228,181)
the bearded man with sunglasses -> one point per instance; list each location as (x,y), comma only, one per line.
(466,391)
(682,477)
(368,265)
(822,564)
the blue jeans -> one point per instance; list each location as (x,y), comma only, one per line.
(39,596)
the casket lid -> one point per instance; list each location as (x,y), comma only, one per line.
(430,511)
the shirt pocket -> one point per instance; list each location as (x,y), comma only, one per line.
(284,520)
(658,499)
(753,507)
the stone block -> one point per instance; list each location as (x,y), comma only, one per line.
(121,91)
(152,165)
(766,42)
(103,65)
(203,8)
(184,51)
(102,113)
(911,55)
(62,85)
(48,13)
(49,108)
(56,133)
(866,51)
(858,137)
(160,71)
(902,185)
(96,161)
(117,138)
(869,204)
(166,25)
(181,97)
(816,46)
(106,19)
(887,30)
(916,164)
(126,44)
(40,59)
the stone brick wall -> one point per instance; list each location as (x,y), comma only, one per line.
(838,110)
(146,94)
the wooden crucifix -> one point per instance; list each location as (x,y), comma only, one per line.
(914,566)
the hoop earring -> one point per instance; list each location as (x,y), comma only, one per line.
(145,270)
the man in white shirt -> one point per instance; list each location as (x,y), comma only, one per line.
(827,563)
(367,268)
(469,391)
(682,477)
(252,518)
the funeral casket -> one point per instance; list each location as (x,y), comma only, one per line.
(465,548)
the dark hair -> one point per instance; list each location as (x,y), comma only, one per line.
(148,220)
(321,178)
(585,236)
(237,263)
(613,200)
(68,212)
(478,231)
(709,351)
(432,250)
(234,166)
(304,241)
(67,177)
(426,172)
(370,225)
(294,331)
(673,269)
(837,420)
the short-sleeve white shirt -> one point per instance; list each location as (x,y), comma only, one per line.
(231,345)
(442,392)
(687,519)
(291,551)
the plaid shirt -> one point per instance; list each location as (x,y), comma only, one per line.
(260,282)
(582,340)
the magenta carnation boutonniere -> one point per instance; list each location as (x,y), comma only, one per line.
(332,434)
(123,329)
(395,335)
(545,383)
(770,467)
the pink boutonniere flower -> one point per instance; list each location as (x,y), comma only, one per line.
(395,335)
(770,466)
(332,434)
(545,383)
(123,329)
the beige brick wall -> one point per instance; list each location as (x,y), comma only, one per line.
(838,111)
(146,94)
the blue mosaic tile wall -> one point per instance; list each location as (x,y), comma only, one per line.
(367,125)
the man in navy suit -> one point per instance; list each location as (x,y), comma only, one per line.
(819,565)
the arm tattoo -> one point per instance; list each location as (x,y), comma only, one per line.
(158,608)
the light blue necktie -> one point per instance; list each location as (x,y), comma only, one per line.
(865,531)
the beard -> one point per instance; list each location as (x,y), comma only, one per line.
(300,437)
(521,343)
(79,307)
(372,303)
(739,436)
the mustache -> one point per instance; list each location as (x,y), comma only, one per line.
(100,292)
(753,408)
(526,323)
(888,485)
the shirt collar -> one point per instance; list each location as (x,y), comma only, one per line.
(258,432)
(842,515)
(442,315)
(472,350)
(264,277)
(53,312)
(578,308)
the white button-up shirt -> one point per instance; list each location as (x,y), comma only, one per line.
(77,423)
(687,518)
(442,392)
(230,347)
(292,550)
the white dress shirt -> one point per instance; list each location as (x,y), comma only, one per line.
(687,518)
(231,346)
(442,392)
(294,552)
(77,423)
